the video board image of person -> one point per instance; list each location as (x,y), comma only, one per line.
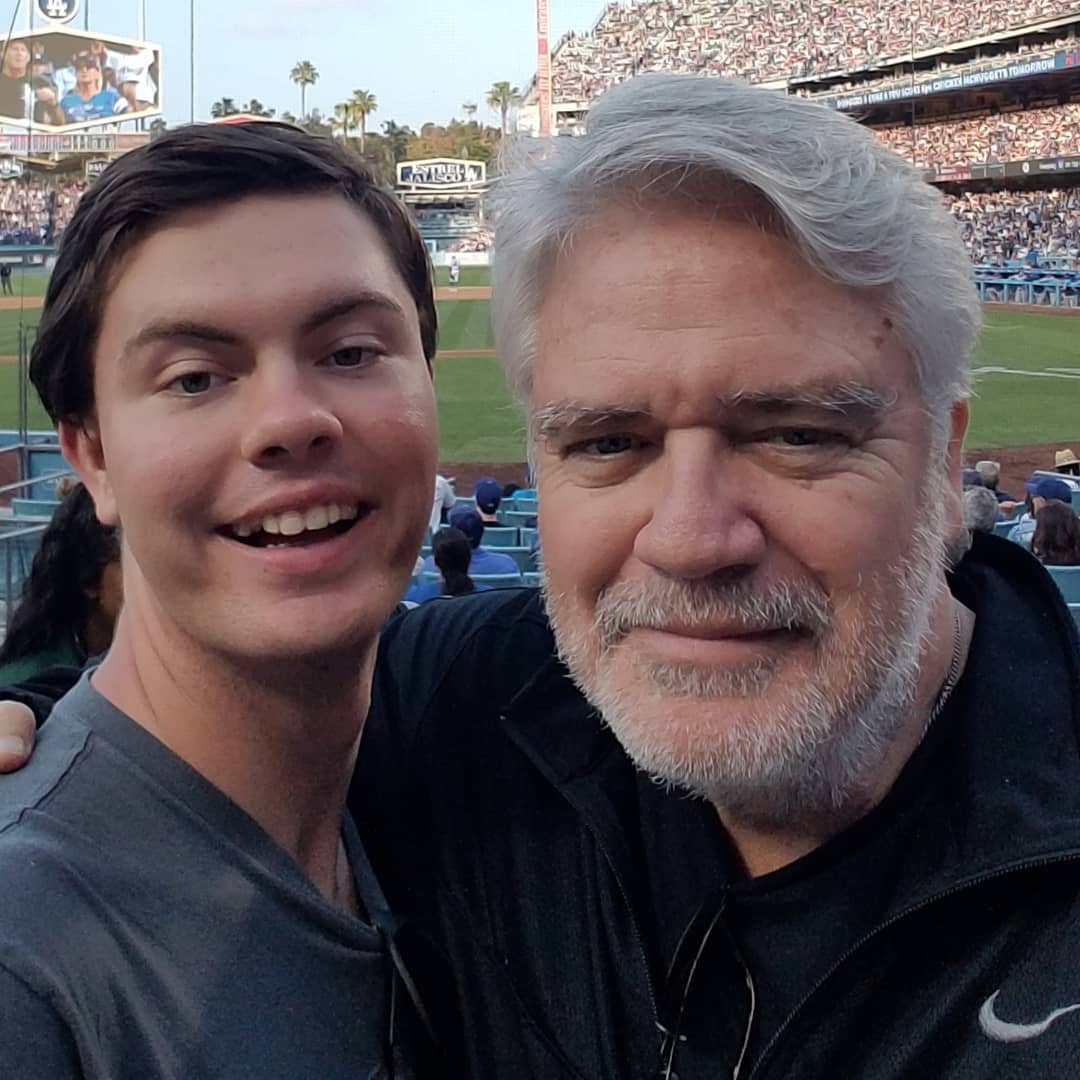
(58,79)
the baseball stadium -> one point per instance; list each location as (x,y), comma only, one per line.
(983,96)
(539,539)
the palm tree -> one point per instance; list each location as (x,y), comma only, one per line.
(304,75)
(397,138)
(469,109)
(344,117)
(363,104)
(255,107)
(504,97)
(225,107)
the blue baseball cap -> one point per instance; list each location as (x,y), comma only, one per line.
(469,522)
(1049,487)
(488,494)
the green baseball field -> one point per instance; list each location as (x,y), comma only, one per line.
(1027,382)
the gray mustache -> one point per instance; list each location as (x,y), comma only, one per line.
(741,605)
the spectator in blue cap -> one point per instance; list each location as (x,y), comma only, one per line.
(1041,490)
(483,561)
(488,495)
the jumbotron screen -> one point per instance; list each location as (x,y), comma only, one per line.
(63,79)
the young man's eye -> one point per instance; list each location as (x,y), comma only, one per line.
(194,383)
(353,356)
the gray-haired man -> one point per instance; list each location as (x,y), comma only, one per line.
(740,330)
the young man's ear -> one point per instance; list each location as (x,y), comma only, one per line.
(82,448)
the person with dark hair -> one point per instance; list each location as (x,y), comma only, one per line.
(484,560)
(1056,541)
(1040,491)
(510,490)
(71,598)
(255,406)
(451,553)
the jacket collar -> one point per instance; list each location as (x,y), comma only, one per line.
(1001,765)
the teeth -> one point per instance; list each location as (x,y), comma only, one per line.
(295,522)
(292,524)
(318,517)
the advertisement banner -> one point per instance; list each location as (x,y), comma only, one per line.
(441,173)
(39,143)
(63,80)
(947,84)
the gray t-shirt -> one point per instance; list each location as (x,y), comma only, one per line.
(149,928)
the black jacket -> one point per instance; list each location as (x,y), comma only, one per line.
(502,818)
(503,821)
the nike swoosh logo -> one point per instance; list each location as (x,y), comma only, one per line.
(1002,1031)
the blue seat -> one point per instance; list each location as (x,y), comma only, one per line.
(528,537)
(1075,609)
(1003,528)
(525,506)
(492,581)
(464,500)
(500,536)
(516,518)
(34,508)
(521,555)
(532,578)
(1068,581)
(525,495)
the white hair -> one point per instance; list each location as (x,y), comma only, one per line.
(857,213)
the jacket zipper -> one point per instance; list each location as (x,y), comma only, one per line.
(639,940)
(1032,864)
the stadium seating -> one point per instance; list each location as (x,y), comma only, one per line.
(1068,581)
(492,581)
(1075,609)
(532,579)
(500,537)
(766,40)
(516,518)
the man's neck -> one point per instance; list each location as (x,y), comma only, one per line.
(763,850)
(285,756)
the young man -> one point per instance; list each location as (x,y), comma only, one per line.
(192,898)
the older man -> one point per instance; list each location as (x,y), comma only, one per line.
(785,806)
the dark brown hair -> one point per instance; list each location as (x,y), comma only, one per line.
(196,166)
(1057,535)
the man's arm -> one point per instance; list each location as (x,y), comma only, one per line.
(35,1044)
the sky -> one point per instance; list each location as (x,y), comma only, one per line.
(422,59)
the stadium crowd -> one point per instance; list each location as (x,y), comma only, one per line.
(1032,133)
(36,211)
(763,40)
(1001,225)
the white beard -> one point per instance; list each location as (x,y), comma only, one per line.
(813,752)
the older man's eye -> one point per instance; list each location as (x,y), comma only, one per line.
(606,446)
(798,438)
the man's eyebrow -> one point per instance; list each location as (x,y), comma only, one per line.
(560,416)
(347,303)
(181,327)
(171,329)
(844,397)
